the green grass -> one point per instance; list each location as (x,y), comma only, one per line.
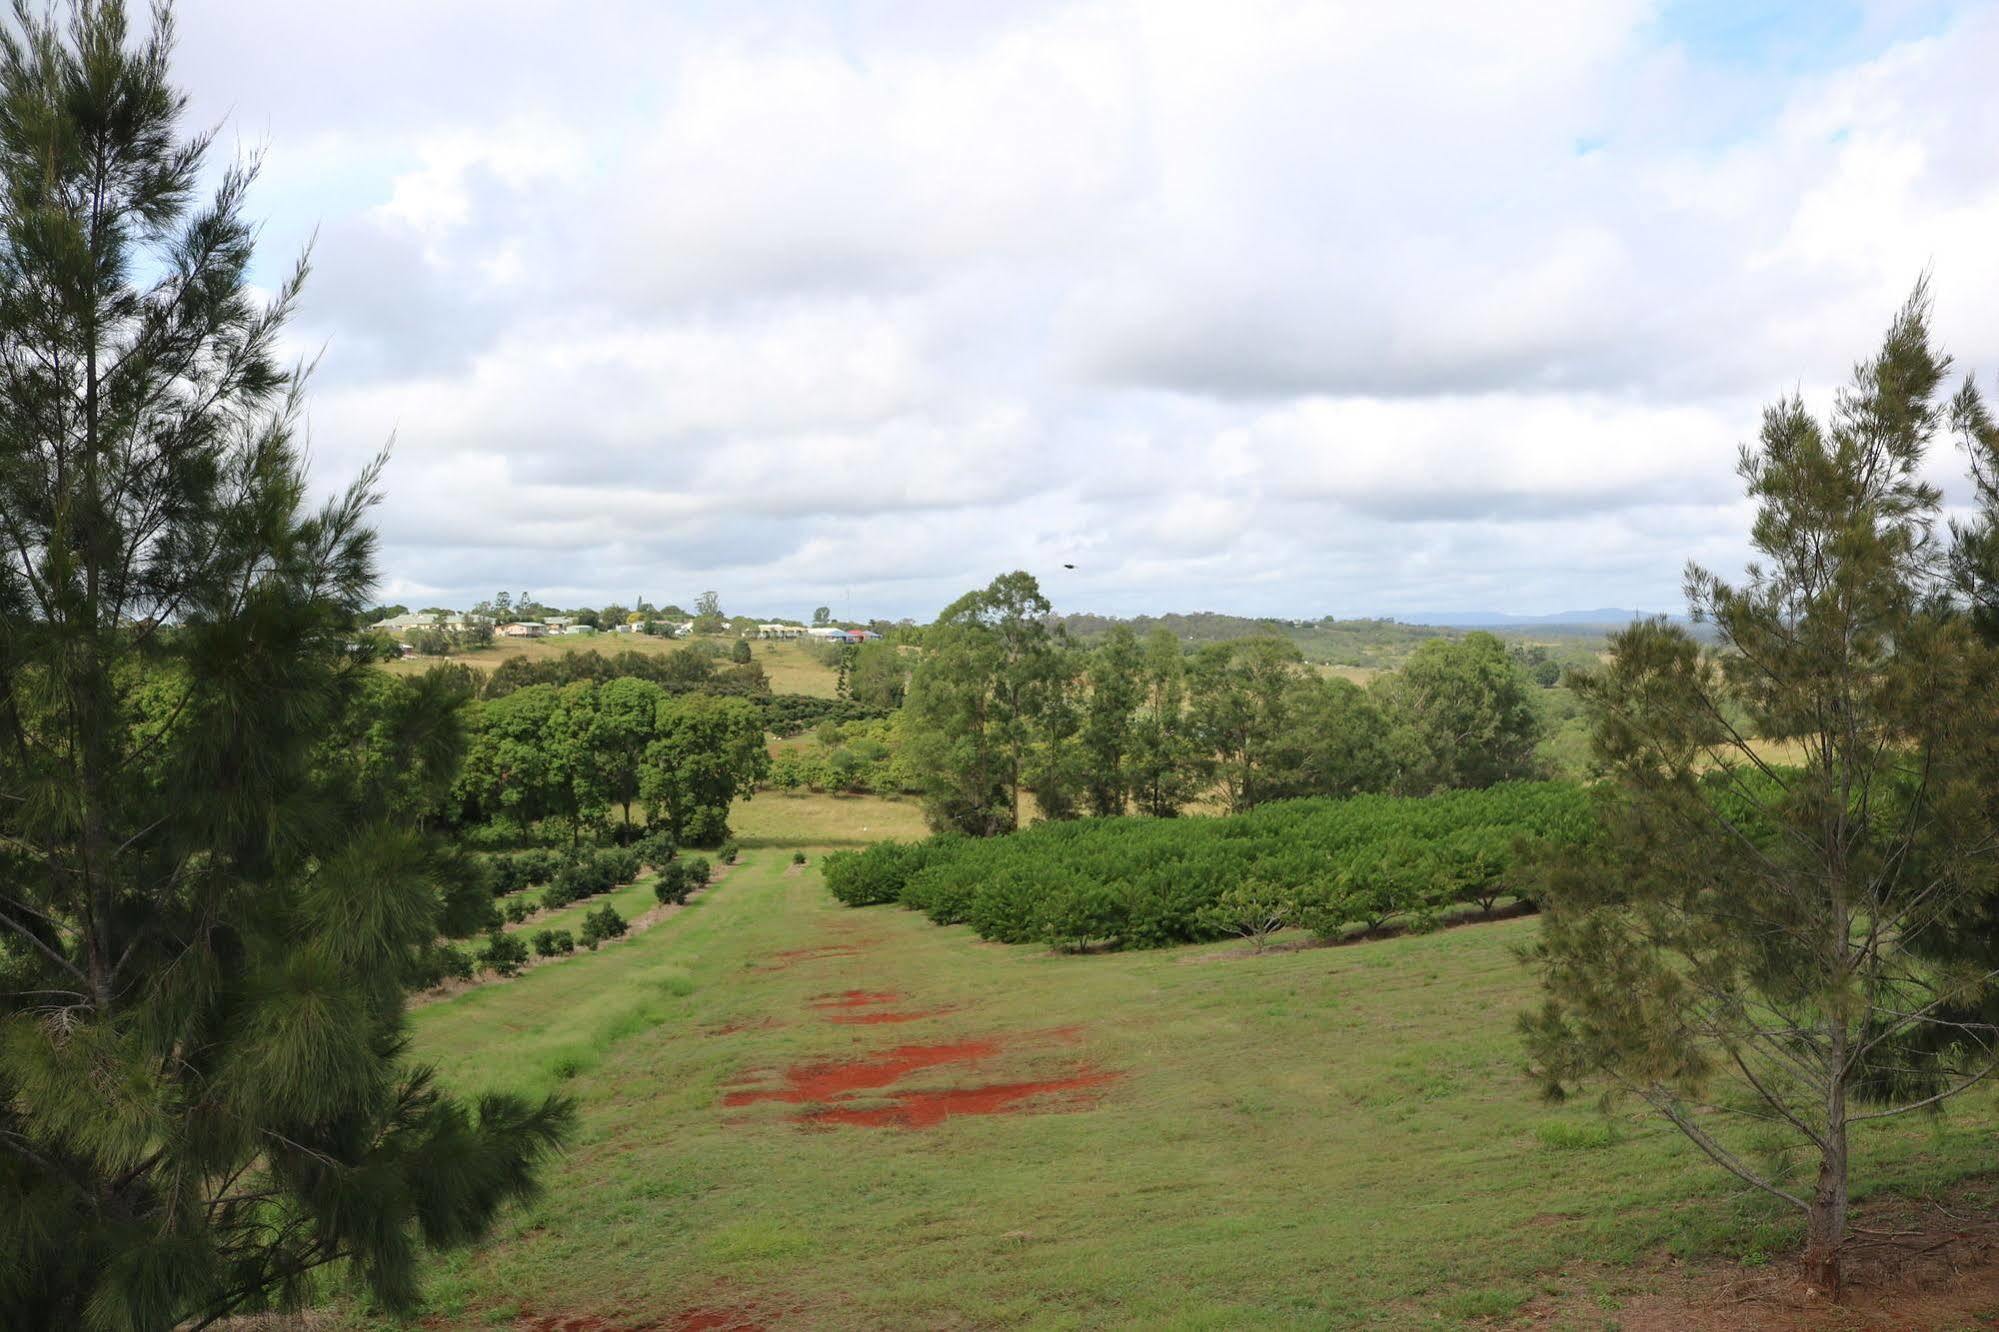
(1323,1138)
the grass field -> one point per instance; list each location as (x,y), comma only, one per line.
(1316,1138)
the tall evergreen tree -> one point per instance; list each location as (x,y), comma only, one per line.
(1799,949)
(988,676)
(210,904)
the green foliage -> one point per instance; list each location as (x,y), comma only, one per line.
(572,753)
(986,681)
(671,887)
(787,715)
(1757,951)
(798,857)
(504,954)
(220,875)
(515,910)
(1462,714)
(692,669)
(553,943)
(1254,910)
(728,854)
(1333,865)
(697,873)
(601,924)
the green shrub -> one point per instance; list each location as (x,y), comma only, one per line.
(553,943)
(503,954)
(727,855)
(697,873)
(440,964)
(617,867)
(601,924)
(798,857)
(671,887)
(536,866)
(564,889)
(515,910)
(655,849)
(506,875)
(878,874)
(1254,910)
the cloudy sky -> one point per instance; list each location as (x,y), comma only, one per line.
(1263,307)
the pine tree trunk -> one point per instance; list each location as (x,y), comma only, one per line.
(1825,1220)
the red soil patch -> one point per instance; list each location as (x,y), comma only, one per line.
(927,1109)
(874,1019)
(778,961)
(824,1082)
(1940,1269)
(715,1320)
(855,998)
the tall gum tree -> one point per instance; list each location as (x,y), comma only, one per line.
(1788,927)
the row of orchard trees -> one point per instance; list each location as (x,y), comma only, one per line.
(574,753)
(1332,866)
(1000,703)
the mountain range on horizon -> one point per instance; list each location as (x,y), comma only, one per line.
(1611,616)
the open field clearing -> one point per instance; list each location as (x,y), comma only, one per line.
(787,819)
(796,1115)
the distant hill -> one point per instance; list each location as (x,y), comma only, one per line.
(1603,617)
(1372,644)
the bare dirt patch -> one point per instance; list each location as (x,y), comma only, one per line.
(1913,1266)
(855,998)
(806,1083)
(927,1109)
(793,956)
(836,1092)
(716,1320)
(878,1017)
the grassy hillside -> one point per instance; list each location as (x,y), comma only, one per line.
(798,1115)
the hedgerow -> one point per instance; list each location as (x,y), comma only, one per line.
(1329,865)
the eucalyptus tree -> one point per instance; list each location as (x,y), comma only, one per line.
(989,674)
(1797,942)
(210,905)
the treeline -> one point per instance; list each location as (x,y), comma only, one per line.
(700,668)
(683,670)
(1332,866)
(571,754)
(1001,703)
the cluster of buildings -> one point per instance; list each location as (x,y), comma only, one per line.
(821,633)
(550,626)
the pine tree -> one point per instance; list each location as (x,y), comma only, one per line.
(1798,942)
(211,904)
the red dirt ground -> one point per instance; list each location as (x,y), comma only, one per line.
(1940,1270)
(855,998)
(778,961)
(878,1017)
(715,1320)
(823,1082)
(926,1109)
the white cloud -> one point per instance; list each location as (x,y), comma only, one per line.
(1278,306)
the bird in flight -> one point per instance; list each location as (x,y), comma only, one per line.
(1068,566)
